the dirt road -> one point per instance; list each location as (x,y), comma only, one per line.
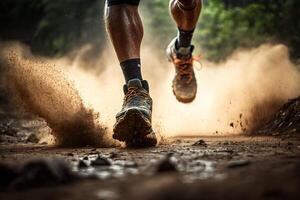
(232,167)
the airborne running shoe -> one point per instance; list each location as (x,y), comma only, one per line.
(184,83)
(133,122)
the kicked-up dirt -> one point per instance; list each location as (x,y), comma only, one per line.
(286,121)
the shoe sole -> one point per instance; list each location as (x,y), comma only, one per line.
(134,129)
(183,100)
(142,142)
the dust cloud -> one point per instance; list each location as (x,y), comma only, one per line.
(43,89)
(233,97)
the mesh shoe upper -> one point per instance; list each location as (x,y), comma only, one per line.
(137,97)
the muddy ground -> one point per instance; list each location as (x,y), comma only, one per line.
(231,167)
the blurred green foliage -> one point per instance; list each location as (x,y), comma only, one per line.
(68,23)
(159,25)
(222,30)
(54,27)
(227,25)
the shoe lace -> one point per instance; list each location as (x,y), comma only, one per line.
(185,68)
(134,91)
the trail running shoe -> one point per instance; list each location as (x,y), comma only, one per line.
(133,122)
(184,83)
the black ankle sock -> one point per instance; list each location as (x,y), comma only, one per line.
(184,38)
(131,69)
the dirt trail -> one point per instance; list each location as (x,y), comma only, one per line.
(227,165)
(207,167)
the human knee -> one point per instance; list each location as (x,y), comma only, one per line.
(188,4)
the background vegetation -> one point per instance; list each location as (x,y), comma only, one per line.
(54,27)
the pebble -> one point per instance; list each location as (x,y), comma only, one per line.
(200,143)
(166,165)
(82,164)
(238,163)
(113,155)
(43,172)
(85,158)
(101,161)
(70,154)
(32,138)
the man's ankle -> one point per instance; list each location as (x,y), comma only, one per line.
(184,38)
(131,69)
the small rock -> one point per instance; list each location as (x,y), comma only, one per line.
(238,163)
(113,155)
(166,165)
(131,164)
(231,124)
(200,143)
(178,141)
(32,138)
(82,164)
(37,173)
(85,158)
(70,154)
(101,161)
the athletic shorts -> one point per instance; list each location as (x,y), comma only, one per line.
(119,2)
